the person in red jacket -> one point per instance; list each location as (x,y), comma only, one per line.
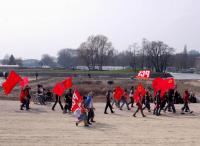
(186,101)
(23,98)
(139,104)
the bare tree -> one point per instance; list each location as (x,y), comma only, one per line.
(5,60)
(67,57)
(48,60)
(96,51)
(158,54)
(131,55)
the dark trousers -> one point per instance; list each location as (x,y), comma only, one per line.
(147,105)
(132,101)
(108,105)
(68,107)
(157,109)
(25,103)
(139,108)
(185,107)
(90,115)
(169,105)
(124,102)
(59,101)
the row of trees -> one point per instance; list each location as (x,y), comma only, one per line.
(98,51)
(11,60)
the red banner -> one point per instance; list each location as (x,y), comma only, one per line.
(59,89)
(139,93)
(67,83)
(12,80)
(118,93)
(143,74)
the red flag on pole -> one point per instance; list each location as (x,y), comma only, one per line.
(58,89)
(170,83)
(77,97)
(24,82)
(163,84)
(157,84)
(12,80)
(139,93)
(75,106)
(67,83)
(118,93)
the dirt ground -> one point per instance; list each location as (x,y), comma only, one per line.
(42,127)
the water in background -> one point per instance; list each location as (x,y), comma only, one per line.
(186,76)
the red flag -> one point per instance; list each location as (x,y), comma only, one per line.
(67,83)
(24,82)
(12,80)
(157,84)
(58,89)
(162,84)
(118,93)
(22,95)
(139,93)
(77,97)
(143,74)
(75,106)
(170,83)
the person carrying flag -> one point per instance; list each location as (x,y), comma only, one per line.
(139,105)
(83,113)
(68,101)
(124,99)
(25,97)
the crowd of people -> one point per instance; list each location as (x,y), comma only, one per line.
(164,103)
(86,113)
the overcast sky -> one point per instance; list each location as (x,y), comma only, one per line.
(30,28)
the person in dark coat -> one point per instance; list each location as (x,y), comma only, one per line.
(157,104)
(170,101)
(68,101)
(147,102)
(108,104)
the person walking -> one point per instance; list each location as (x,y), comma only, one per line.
(157,102)
(68,101)
(108,104)
(170,101)
(124,100)
(139,106)
(57,101)
(147,101)
(131,96)
(186,102)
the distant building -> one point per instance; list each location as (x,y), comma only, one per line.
(8,66)
(31,63)
(197,63)
(103,68)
